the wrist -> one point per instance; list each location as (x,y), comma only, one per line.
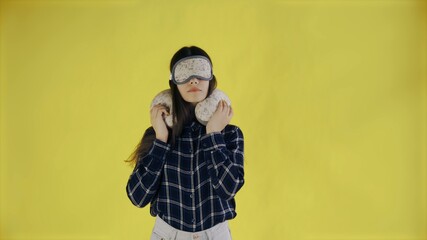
(162,138)
(210,131)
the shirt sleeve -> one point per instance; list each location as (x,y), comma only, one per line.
(146,176)
(224,158)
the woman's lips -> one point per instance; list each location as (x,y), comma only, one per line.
(194,89)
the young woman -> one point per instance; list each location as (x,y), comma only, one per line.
(189,173)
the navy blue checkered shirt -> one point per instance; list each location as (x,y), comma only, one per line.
(190,186)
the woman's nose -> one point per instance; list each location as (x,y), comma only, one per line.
(194,81)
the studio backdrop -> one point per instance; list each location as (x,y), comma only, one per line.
(331,97)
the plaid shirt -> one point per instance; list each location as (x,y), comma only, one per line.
(191,186)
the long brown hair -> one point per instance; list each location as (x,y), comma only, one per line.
(183,111)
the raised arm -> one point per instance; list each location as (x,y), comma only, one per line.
(145,179)
(224,155)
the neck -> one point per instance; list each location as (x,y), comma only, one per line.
(192,114)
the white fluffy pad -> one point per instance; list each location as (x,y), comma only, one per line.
(204,109)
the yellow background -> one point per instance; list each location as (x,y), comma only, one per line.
(331,97)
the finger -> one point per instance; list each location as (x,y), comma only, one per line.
(226,107)
(153,110)
(161,112)
(219,107)
(165,113)
(156,113)
(160,104)
(160,107)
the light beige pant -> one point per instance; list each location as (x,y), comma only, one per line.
(163,231)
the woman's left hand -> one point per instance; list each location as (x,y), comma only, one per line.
(220,118)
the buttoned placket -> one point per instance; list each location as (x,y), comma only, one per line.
(191,152)
(192,177)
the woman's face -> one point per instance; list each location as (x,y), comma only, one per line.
(194,91)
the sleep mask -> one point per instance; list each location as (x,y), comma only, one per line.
(189,67)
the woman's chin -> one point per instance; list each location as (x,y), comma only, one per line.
(194,101)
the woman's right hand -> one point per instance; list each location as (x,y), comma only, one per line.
(158,114)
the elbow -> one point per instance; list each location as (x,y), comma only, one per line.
(228,194)
(140,204)
(140,200)
(224,194)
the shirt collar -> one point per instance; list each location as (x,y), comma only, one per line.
(193,125)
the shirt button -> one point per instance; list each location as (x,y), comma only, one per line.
(191,151)
(191,195)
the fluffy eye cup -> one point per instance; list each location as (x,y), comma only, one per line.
(189,67)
